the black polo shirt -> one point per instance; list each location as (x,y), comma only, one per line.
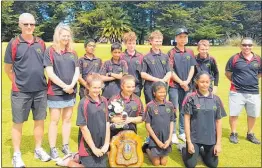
(113,87)
(209,65)
(88,66)
(28,68)
(64,65)
(94,115)
(133,107)
(134,63)
(244,73)
(204,112)
(159,116)
(156,65)
(181,63)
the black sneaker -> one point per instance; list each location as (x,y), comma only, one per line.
(233,138)
(251,137)
(144,147)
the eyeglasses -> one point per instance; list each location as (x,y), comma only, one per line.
(27,24)
(247,45)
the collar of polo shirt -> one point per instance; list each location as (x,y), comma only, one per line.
(210,96)
(131,55)
(154,54)
(93,101)
(94,57)
(158,104)
(179,51)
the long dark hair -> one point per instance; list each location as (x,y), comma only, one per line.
(156,86)
(198,75)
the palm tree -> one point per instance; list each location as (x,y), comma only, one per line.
(115,25)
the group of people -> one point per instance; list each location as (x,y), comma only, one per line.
(189,80)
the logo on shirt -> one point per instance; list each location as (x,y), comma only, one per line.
(39,50)
(255,65)
(96,64)
(85,64)
(134,108)
(72,56)
(137,62)
(215,108)
(104,109)
(156,110)
(120,69)
(153,62)
(163,62)
(198,106)
(188,57)
(168,110)
(208,64)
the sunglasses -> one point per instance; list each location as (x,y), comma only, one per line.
(27,24)
(247,45)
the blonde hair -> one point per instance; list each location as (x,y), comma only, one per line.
(155,34)
(126,78)
(129,36)
(56,38)
(203,43)
(93,77)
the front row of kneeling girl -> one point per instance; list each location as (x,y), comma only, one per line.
(203,112)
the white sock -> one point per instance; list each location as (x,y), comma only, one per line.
(17,153)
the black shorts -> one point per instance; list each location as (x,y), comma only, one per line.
(93,161)
(23,102)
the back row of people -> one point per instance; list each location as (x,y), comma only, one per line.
(26,57)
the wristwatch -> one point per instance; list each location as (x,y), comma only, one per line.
(109,74)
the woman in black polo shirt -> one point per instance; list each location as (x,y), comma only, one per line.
(203,126)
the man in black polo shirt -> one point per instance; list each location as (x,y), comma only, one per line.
(24,67)
(182,60)
(243,70)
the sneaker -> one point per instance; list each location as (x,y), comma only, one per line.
(42,155)
(147,140)
(180,146)
(17,160)
(233,138)
(65,149)
(182,137)
(251,137)
(174,139)
(144,147)
(54,154)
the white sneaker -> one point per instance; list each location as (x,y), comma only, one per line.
(42,155)
(17,160)
(182,137)
(174,139)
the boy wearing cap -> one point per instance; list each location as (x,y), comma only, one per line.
(182,61)
(88,64)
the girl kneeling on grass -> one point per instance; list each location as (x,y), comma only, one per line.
(92,118)
(203,126)
(160,117)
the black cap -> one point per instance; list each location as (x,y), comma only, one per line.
(181,30)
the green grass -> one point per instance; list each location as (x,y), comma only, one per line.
(244,154)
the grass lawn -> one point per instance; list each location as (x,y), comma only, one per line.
(244,154)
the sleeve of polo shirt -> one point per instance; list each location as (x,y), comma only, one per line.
(220,112)
(80,114)
(229,66)
(193,61)
(100,64)
(141,109)
(187,106)
(103,69)
(124,67)
(80,61)
(172,115)
(8,54)
(76,59)
(144,65)
(148,114)
(47,59)
(168,68)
